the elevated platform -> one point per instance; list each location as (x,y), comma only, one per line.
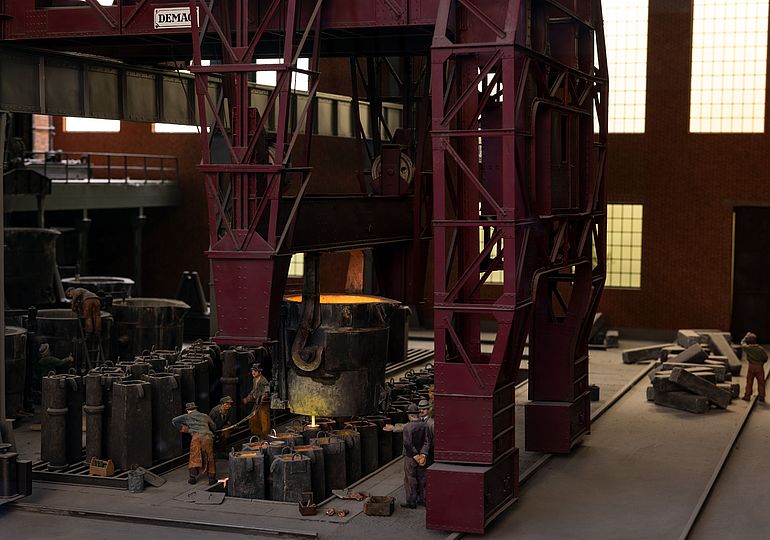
(100,194)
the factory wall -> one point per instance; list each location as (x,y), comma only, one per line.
(175,239)
(689,185)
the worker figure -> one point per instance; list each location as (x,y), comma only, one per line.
(88,306)
(48,362)
(259,423)
(223,418)
(756,357)
(426,415)
(200,426)
(417,443)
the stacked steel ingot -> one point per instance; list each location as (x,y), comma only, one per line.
(61,430)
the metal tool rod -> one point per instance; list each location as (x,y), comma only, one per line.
(3,121)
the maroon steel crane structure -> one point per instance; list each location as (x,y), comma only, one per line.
(514,90)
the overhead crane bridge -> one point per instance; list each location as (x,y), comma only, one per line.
(499,102)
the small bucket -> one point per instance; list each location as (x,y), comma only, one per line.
(135,481)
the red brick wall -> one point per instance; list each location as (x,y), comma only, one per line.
(689,184)
(175,239)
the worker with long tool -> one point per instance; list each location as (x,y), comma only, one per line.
(259,424)
(222,415)
(417,443)
(201,428)
(88,306)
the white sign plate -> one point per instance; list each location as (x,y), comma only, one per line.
(172,18)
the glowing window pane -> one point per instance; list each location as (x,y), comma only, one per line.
(625,33)
(624,241)
(82,125)
(729,66)
(297,265)
(174,128)
(496,276)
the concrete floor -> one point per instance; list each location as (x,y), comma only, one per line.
(636,476)
(640,474)
(738,506)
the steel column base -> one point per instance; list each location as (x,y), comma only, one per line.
(555,427)
(479,493)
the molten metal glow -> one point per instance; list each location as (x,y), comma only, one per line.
(312,421)
(341,299)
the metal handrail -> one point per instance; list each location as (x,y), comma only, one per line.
(88,166)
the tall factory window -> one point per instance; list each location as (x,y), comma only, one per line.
(76,124)
(625,32)
(624,245)
(299,81)
(729,66)
(297,265)
(496,277)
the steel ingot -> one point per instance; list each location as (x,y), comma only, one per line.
(289,477)
(62,426)
(335,470)
(353,456)
(246,475)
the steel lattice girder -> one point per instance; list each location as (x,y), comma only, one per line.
(513,89)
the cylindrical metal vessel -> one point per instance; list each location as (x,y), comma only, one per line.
(290,439)
(341,370)
(397,412)
(201,370)
(118,287)
(61,431)
(289,477)
(8,482)
(229,380)
(60,329)
(186,374)
(384,439)
(158,363)
(98,409)
(370,445)
(246,475)
(30,266)
(321,424)
(398,443)
(334,463)
(352,440)
(146,323)
(15,369)
(244,359)
(166,402)
(135,370)
(317,473)
(131,429)
(255,444)
(274,448)
(211,351)
(94,413)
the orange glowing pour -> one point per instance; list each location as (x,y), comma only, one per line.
(341,299)
(312,421)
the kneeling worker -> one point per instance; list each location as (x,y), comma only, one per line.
(200,426)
